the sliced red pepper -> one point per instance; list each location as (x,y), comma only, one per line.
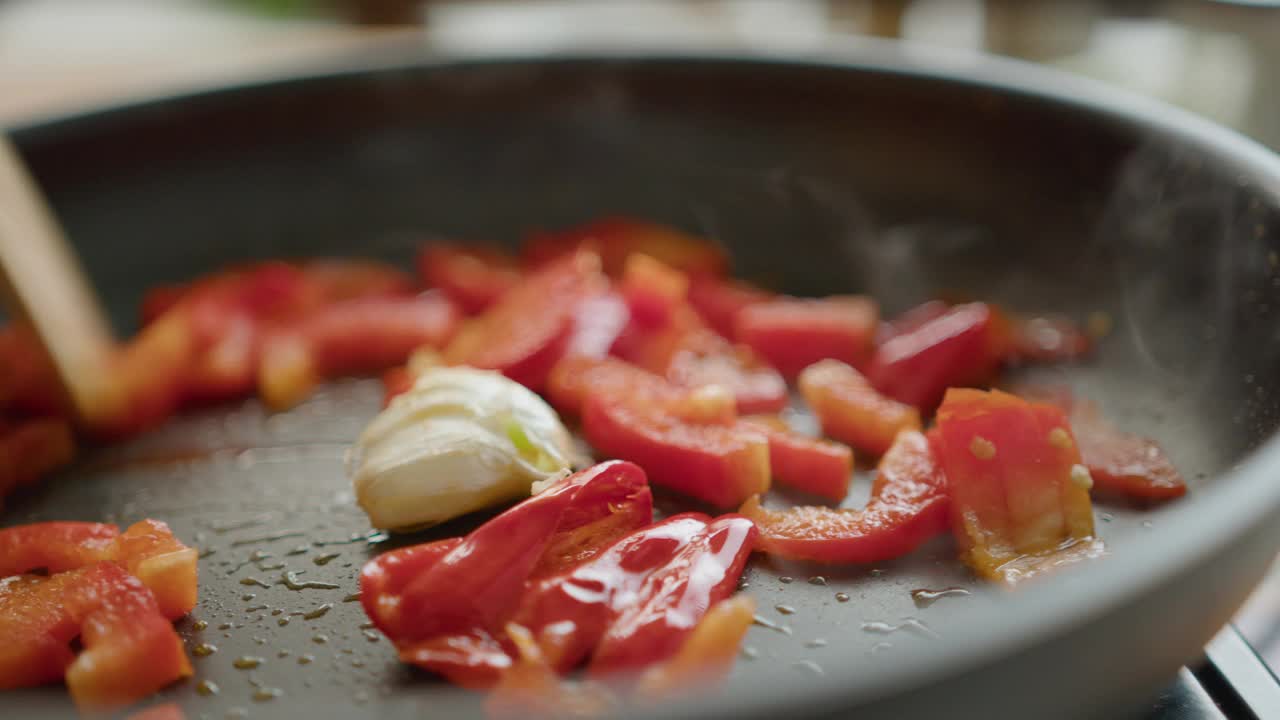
(908,506)
(707,654)
(911,320)
(474,276)
(851,410)
(1019,492)
(794,333)
(617,238)
(130,649)
(147,549)
(963,346)
(718,464)
(653,291)
(287,369)
(443,603)
(701,357)
(371,334)
(818,467)
(1124,465)
(636,602)
(28,384)
(528,330)
(577,376)
(32,448)
(720,301)
(530,687)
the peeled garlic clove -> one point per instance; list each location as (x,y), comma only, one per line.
(460,440)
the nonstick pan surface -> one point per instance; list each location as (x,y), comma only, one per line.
(874,173)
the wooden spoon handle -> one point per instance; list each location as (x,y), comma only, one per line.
(41,281)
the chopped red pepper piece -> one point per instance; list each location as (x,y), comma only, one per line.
(1019,492)
(528,330)
(1124,465)
(719,301)
(370,334)
(654,292)
(963,346)
(851,410)
(443,603)
(707,654)
(794,333)
(147,549)
(130,649)
(908,506)
(577,376)
(532,688)
(715,463)
(811,465)
(32,448)
(617,238)
(287,371)
(474,276)
(701,357)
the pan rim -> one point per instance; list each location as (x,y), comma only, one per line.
(1190,533)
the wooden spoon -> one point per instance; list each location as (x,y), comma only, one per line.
(42,283)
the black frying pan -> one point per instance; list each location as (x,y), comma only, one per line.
(875,173)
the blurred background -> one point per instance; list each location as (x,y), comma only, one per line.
(1217,58)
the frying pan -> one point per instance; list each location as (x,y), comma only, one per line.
(877,172)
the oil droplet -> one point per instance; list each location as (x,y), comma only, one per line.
(260,640)
(266,694)
(371,636)
(785,609)
(816,643)
(239,525)
(282,654)
(259,555)
(318,612)
(206,553)
(842,597)
(271,566)
(256,608)
(247,597)
(743,585)
(299,550)
(818,580)
(282,621)
(361,697)
(207,688)
(325,559)
(357,663)
(320,639)
(876,572)
(237,713)
(1106,517)
(766,623)
(224,626)
(199,625)
(268,538)
(923,598)
(277,611)
(306,659)
(253,581)
(786,579)
(290,580)
(880,647)
(367,626)
(909,624)
(749,653)
(204,650)
(353,597)
(809,666)
(246,662)
(1146,524)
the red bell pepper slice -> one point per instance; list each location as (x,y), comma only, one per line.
(794,333)
(653,291)
(28,384)
(147,549)
(1123,465)
(617,238)
(473,276)
(718,464)
(963,346)
(636,602)
(32,448)
(720,301)
(528,330)
(576,377)
(130,649)
(818,467)
(443,603)
(1019,491)
(530,687)
(707,654)
(371,334)
(701,357)
(908,507)
(850,410)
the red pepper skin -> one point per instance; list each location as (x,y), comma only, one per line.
(653,291)
(473,276)
(851,410)
(147,549)
(908,507)
(719,301)
(32,448)
(576,377)
(707,655)
(701,357)
(718,464)
(443,603)
(1124,466)
(130,649)
(370,334)
(793,333)
(636,602)
(961,347)
(525,333)
(818,467)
